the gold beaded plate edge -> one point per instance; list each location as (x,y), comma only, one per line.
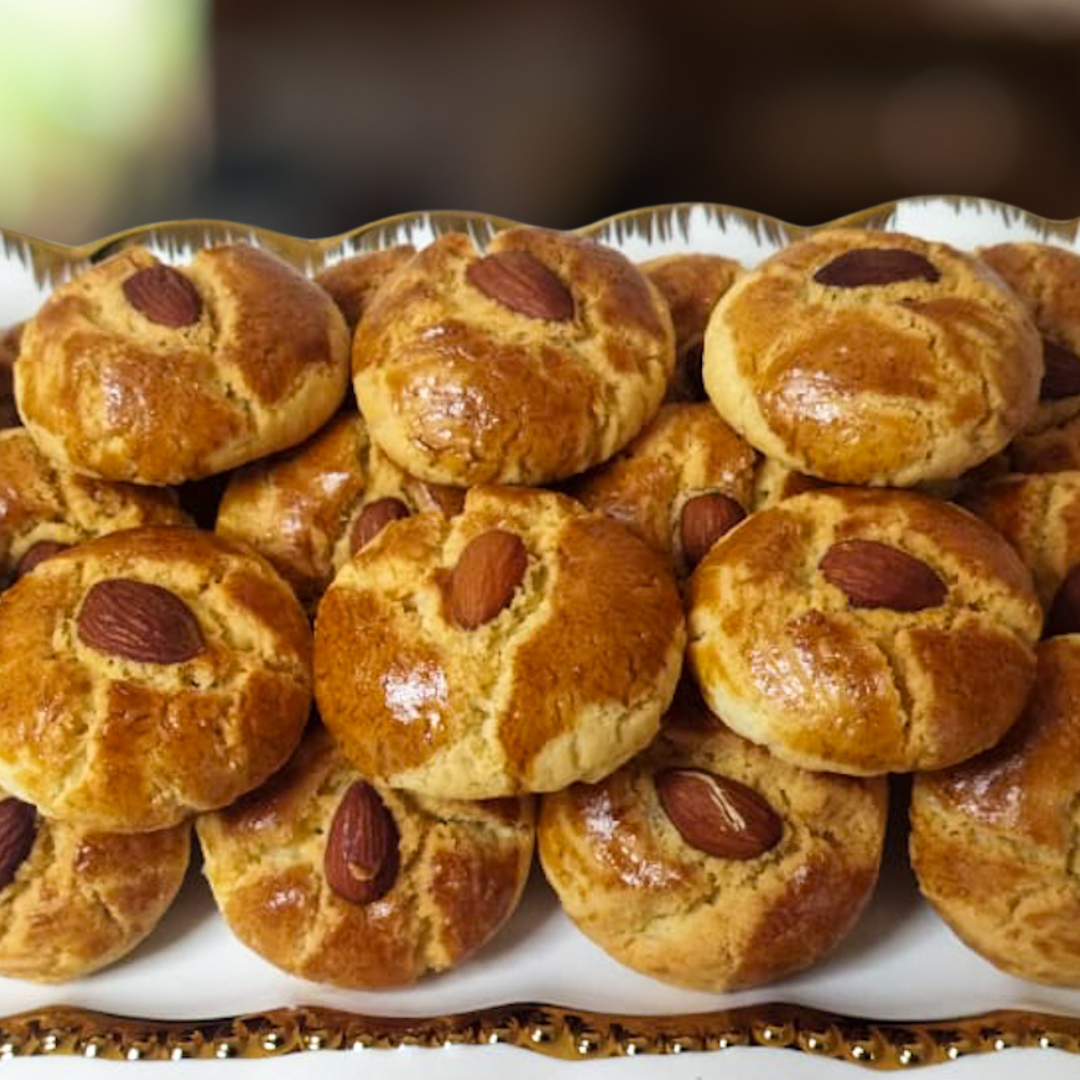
(30,268)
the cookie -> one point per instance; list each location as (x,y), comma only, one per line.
(146,675)
(44,509)
(341,879)
(9,349)
(139,371)
(864,632)
(307,510)
(708,863)
(520,646)
(873,358)
(73,900)
(526,365)
(993,840)
(683,482)
(353,281)
(692,285)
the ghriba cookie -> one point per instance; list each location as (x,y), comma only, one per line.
(353,281)
(44,509)
(73,900)
(708,863)
(519,646)
(343,880)
(140,371)
(864,631)
(525,365)
(993,839)
(146,675)
(876,358)
(309,509)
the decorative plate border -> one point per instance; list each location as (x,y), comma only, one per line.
(567,1034)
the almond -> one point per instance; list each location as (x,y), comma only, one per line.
(522,283)
(876,266)
(875,575)
(373,519)
(361,857)
(18,827)
(164,296)
(486,576)
(38,553)
(1061,374)
(1064,616)
(137,621)
(718,815)
(704,519)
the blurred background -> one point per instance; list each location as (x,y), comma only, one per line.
(315,117)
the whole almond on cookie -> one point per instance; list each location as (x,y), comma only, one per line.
(521,282)
(872,574)
(18,827)
(164,296)
(486,576)
(1061,372)
(373,519)
(704,519)
(876,266)
(361,859)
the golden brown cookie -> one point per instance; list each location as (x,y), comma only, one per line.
(519,646)
(309,509)
(146,675)
(709,863)
(9,349)
(355,280)
(692,285)
(44,509)
(342,880)
(993,841)
(139,371)
(873,358)
(528,364)
(864,631)
(73,900)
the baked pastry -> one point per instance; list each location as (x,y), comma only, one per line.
(681,484)
(873,358)
(9,349)
(1040,517)
(44,509)
(73,900)
(692,285)
(308,509)
(1057,449)
(353,281)
(517,647)
(139,371)
(864,632)
(709,863)
(993,840)
(146,675)
(341,879)
(1047,279)
(526,365)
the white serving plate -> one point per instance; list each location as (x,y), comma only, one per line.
(900,991)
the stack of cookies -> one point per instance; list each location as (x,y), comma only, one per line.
(650,566)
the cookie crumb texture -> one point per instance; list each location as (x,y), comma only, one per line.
(462,869)
(564,682)
(89,735)
(110,390)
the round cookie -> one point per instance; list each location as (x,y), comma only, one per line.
(430,882)
(692,285)
(864,632)
(44,508)
(146,675)
(709,863)
(679,485)
(308,509)
(9,349)
(526,365)
(874,358)
(352,282)
(1047,279)
(73,900)
(993,840)
(520,646)
(139,371)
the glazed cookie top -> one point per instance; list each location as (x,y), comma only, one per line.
(864,631)
(528,364)
(44,508)
(148,674)
(309,509)
(346,881)
(1047,279)
(355,280)
(873,358)
(519,646)
(139,371)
